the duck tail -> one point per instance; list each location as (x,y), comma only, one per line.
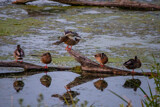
(125,64)
(57,43)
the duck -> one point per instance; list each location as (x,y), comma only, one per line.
(70,38)
(101,58)
(19,53)
(46,59)
(133,64)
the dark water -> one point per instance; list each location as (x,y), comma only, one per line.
(121,34)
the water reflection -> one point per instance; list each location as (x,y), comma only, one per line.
(67,97)
(18,85)
(132,83)
(100,84)
(46,80)
(80,80)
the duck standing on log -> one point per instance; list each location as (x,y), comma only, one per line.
(70,38)
(133,64)
(46,59)
(101,58)
(19,53)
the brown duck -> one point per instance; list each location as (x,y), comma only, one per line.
(101,58)
(46,59)
(19,53)
(70,38)
(133,63)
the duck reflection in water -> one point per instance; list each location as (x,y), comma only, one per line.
(46,80)
(101,84)
(67,97)
(18,85)
(132,83)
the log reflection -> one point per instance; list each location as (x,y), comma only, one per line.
(86,77)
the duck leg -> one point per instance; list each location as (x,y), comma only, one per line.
(70,48)
(46,72)
(67,47)
(46,67)
(133,74)
(102,65)
(68,89)
(101,78)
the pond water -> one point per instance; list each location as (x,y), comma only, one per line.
(120,34)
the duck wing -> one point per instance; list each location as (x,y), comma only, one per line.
(63,39)
(130,62)
(22,53)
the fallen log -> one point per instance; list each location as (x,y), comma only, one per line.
(91,67)
(31,67)
(132,5)
(22,1)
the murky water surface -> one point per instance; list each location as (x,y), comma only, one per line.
(121,34)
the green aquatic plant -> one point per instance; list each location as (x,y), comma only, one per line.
(74,103)
(18,27)
(155,69)
(40,100)
(153,100)
(129,103)
(77,69)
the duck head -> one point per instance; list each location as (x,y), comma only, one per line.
(18,47)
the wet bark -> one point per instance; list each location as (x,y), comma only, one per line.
(117,3)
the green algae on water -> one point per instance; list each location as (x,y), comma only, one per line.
(18,27)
